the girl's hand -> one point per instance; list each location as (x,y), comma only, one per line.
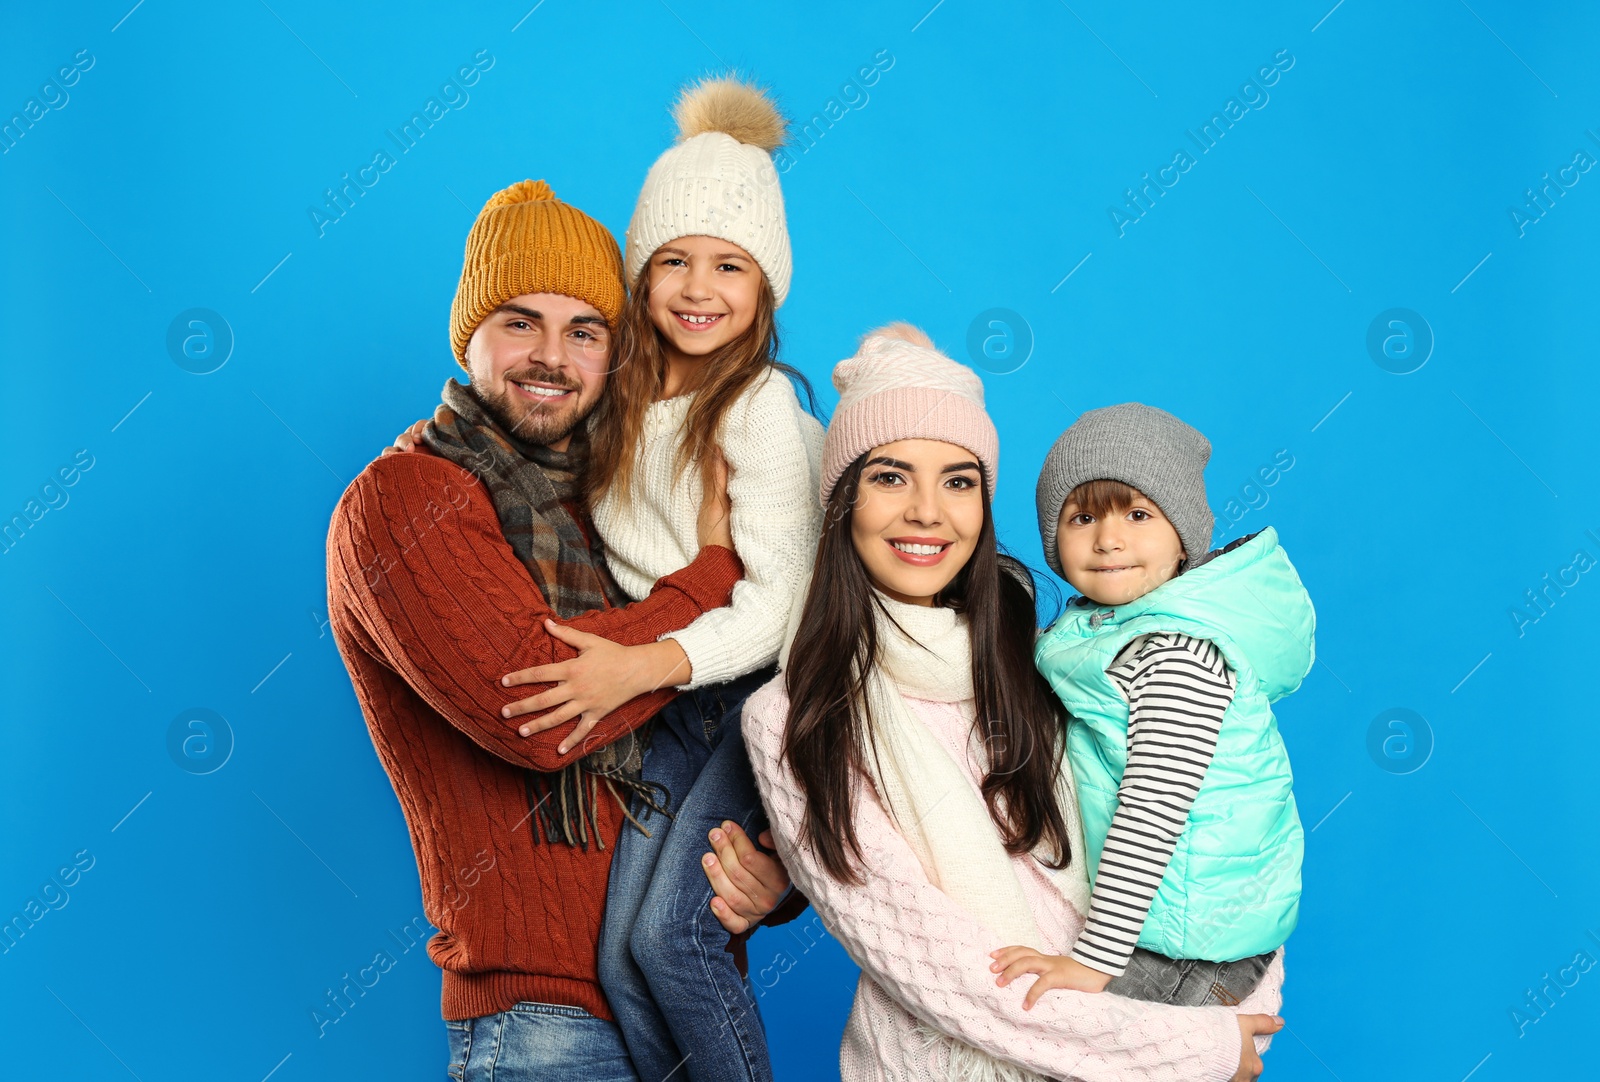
(601,678)
(1250,1065)
(715,524)
(1054,970)
(748,882)
(408,440)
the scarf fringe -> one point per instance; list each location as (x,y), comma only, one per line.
(532,488)
(565,804)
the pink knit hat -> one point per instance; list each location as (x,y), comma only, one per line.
(898,386)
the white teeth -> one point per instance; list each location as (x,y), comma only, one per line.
(543,392)
(698,319)
(918,550)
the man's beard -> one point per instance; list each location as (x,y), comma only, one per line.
(530,422)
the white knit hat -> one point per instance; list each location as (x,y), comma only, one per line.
(899,386)
(718,181)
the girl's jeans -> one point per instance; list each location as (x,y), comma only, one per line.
(683,1008)
(1156,978)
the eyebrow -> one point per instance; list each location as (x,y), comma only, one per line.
(719,255)
(896,464)
(1140,503)
(533,314)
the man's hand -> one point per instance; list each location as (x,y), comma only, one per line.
(603,676)
(715,524)
(1250,1065)
(407,440)
(1054,971)
(748,882)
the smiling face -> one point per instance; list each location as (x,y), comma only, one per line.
(917,516)
(1122,555)
(702,295)
(538,363)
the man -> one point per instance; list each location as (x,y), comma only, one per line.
(444,565)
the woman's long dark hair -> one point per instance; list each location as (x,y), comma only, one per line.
(828,738)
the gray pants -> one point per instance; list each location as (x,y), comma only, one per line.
(1156,978)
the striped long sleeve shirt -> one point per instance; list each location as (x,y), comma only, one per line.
(1178,688)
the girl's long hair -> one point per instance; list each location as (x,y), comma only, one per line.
(640,372)
(828,738)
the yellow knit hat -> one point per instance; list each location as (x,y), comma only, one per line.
(527,241)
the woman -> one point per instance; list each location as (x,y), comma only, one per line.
(924,836)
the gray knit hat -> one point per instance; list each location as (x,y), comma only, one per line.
(1138,445)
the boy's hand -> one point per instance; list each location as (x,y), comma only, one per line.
(1054,970)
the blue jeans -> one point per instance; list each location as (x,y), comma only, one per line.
(683,1008)
(1155,978)
(538,1042)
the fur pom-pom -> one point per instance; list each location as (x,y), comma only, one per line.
(735,108)
(902,332)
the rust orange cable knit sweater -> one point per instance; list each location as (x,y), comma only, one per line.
(430,607)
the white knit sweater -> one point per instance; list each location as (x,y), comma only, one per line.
(924,960)
(774,454)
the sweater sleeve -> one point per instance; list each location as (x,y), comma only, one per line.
(1178,688)
(932,957)
(417,560)
(775,524)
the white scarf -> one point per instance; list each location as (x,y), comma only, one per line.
(926,653)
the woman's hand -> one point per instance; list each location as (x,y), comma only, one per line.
(1054,971)
(748,882)
(601,678)
(715,524)
(408,440)
(1250,1065)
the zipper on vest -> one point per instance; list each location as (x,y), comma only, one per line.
(1099,618)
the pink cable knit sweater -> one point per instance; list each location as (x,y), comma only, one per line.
(925,961)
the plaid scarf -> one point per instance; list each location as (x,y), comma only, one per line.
(532,487)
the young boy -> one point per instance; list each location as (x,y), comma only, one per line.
(1168,662)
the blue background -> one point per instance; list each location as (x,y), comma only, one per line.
(1450,867)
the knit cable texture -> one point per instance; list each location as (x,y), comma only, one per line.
(430,607)
(925,960)
(773,449)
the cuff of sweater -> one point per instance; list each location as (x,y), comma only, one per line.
(711,659)
(709,583)
(1223,1062)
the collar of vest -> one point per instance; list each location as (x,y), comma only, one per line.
(1246,597)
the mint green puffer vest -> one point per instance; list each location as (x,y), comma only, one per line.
(1233,887)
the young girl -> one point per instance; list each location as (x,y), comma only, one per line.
(1168,663)
(696,389)
(910,758)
